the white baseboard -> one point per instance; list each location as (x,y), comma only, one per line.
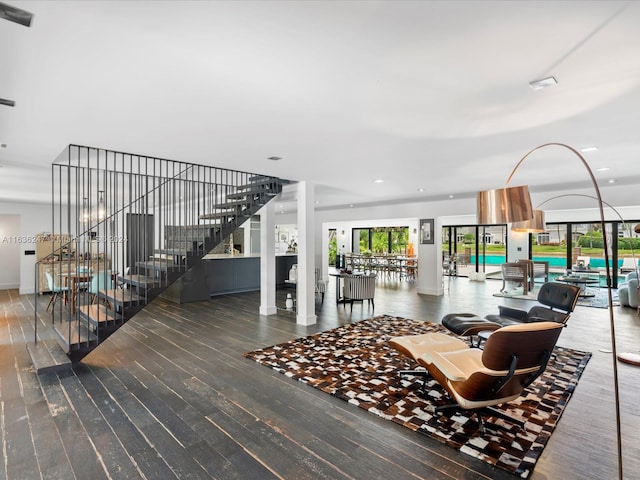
(430,291)
(268,310)
(306,320)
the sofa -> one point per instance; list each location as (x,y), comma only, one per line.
(628,290)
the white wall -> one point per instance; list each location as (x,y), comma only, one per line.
(10,240)
(34,219)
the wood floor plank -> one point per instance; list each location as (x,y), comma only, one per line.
(120,416)
(269,398)
(171,394)
(18,446)
(226,459)
(104,441)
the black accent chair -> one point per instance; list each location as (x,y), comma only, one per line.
(558,300)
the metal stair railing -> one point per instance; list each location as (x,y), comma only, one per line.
(143,219)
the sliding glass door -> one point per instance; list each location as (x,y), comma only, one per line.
(380,240)
(565,246)
(473,248)
(628,248)
(493,249)
(552,246)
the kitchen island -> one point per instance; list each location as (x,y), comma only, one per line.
(221,274)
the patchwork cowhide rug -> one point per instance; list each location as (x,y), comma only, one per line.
(355,363)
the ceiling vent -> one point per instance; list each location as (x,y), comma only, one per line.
(543,83)
(15,15)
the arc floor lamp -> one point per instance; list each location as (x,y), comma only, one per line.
(513,204)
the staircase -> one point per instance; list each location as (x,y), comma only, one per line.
(142,223)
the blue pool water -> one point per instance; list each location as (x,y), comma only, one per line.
(554,262)
(498,259)
(559,262)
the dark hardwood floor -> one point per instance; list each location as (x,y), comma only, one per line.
(171,396)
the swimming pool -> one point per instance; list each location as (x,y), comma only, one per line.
(554,262)
(560,262)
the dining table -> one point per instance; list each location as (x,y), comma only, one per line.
(338,274)
(408,265)
(72,280)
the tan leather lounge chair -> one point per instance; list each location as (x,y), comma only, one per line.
(513,357)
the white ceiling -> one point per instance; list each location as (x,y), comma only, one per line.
(423,95)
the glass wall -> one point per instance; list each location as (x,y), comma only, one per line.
(333,247)
(473,248)
(628,248)
(493,249)
(551,246)
(588,245)
(380,240)
(565,246)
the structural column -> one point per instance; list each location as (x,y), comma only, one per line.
(267,260)
(518,245)
(430,264)
(306,287)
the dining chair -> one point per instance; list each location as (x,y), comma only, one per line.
(102,280)
(83,271)
(321,285)
(56,291)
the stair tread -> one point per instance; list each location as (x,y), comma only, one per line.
(243,194)
(48,356)
(160,264)
(216,215)
(78,334)
(139,280)
(121,296)
(241,200)
(261,182)
(174,246)
(98,313)
(171,251)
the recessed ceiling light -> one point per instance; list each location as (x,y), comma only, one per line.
(612,181)
(450,196)
(543,83)
(421,189)
(351,206)
(603,169)
(379,180)
(275,159)
(589,149)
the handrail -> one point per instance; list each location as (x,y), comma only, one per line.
(118,152)
(158,202)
